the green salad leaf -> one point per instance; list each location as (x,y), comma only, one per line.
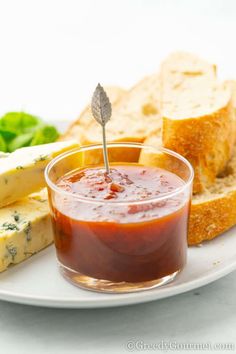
(7,134)
(45,135)
(20,141)
(18,121)
(3,145)
(19,129)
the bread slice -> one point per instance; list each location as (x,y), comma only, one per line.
(198,116)
(232,86)
(212,211)
(134,115)
(78,128)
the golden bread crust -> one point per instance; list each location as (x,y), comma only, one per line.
(206,142)
(210,218)
(198,116)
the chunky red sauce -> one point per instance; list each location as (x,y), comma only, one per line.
(121,241)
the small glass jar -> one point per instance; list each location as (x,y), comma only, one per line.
(99,247)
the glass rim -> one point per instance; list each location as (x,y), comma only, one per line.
(164,196)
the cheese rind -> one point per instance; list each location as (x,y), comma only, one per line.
(25,228)
(22,172)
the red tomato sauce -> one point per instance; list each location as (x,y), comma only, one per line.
(121,241)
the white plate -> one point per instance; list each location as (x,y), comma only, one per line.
(38,282)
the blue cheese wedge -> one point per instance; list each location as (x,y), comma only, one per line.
(25,228)
(22,172)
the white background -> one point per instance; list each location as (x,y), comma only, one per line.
(52,54)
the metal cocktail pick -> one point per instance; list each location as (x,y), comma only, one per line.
(101,110)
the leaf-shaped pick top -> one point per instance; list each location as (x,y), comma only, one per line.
(101,106)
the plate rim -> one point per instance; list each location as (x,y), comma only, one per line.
(115,300)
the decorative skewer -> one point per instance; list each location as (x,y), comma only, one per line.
(101,110)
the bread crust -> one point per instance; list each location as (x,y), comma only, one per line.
(198,116)
(206,141)
(211,217)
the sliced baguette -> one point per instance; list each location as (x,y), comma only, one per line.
(78,128)
(134,115)
(212,211)
(232,86)
(198,116)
